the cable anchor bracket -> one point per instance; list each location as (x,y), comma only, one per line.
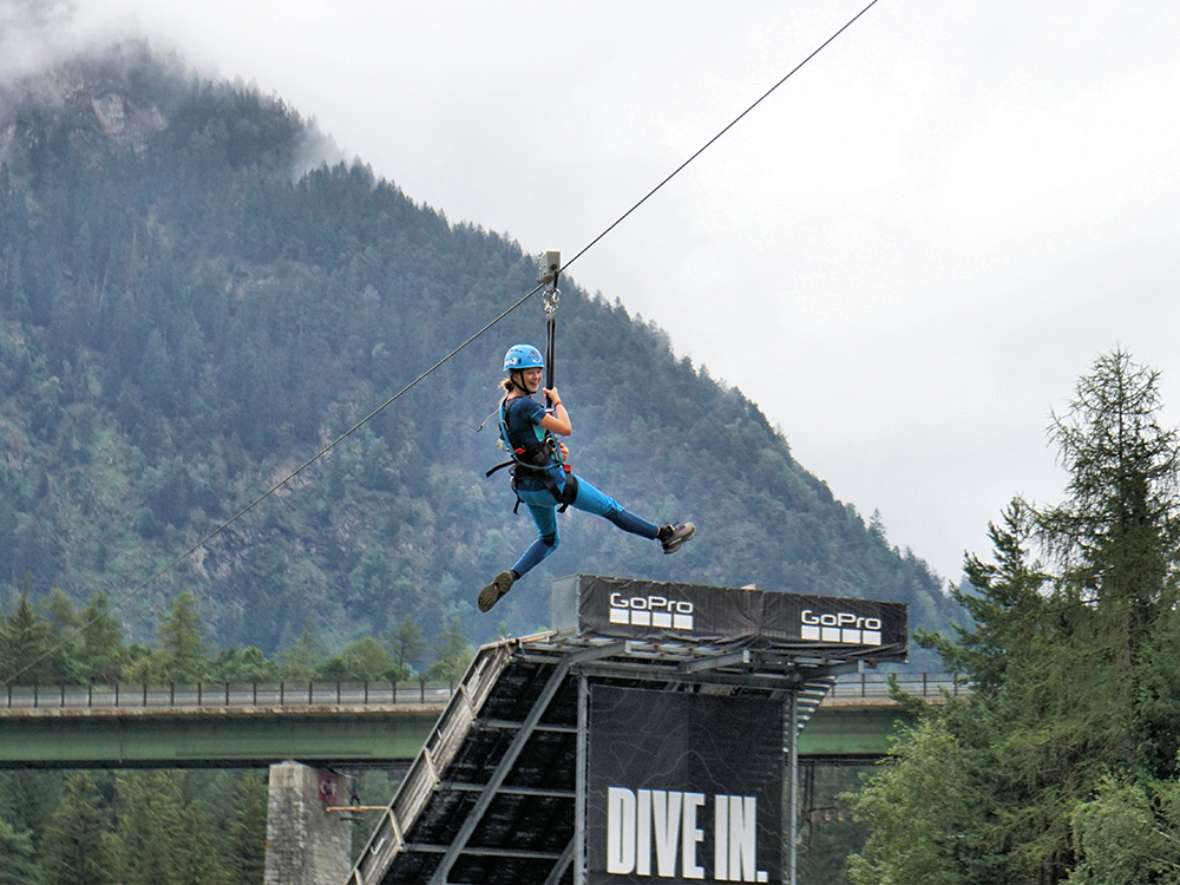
(550,268)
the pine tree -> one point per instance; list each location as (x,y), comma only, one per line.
(151,828)
(1073,661)
(248,831)
(453,654)
(18,862)
(406,644)
(302,660)
(25,645)
(76,847)
(62,619)
(100,654)
(182,643)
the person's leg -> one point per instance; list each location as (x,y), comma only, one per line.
(542,509)
(591,500)
(548,537)
(671,536)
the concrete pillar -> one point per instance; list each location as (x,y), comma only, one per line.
(304,844)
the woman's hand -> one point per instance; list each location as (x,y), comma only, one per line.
(565,451)
(557,419)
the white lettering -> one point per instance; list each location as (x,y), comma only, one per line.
(721,837)
(670,819)
(652,603)
(742,823)
(620,830)
(643,840)
(665,809)
(842,619)
(693,836)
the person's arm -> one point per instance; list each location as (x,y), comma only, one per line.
(557,421)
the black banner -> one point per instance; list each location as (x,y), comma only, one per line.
(631,608)
(683,788)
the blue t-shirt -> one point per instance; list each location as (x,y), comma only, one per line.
(524,416)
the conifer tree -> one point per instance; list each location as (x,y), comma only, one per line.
(247,835)
(406,644)
(18,863)
(100,654)
(62,619)
(1073,661)
(25,644)
(181,641)
(151,828)
(302,660)
(453,654)
(76,846)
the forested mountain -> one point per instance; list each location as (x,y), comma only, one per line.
(191,304)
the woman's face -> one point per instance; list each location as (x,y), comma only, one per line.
(532,379)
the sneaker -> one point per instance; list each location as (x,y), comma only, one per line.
(672,537)
(491,594)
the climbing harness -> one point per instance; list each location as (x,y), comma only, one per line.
(539,456)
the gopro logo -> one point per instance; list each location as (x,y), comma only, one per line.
(843,627)
(651,611)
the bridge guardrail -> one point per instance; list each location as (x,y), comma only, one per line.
(876,685)
(224,694)
(420,691)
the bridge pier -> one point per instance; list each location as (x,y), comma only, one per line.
(304,844)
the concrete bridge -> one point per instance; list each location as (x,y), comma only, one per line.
(344,725)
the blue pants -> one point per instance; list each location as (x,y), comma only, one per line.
(543,509)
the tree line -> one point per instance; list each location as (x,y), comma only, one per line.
(52,642)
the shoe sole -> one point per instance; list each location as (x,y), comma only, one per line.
(492,593)
(676,543)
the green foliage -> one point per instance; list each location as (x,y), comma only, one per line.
(364,660)
(247,664)
(100,655)
(24,642)
(182,643)
(1062,762)
(406,645)
(1129,832)
(76,846)
(929,779)
(301,661)
(453,654)
(19,865)
(247,836)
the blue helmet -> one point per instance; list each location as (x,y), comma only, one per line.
(523,356)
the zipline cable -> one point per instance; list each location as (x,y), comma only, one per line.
(709,143)
(469,340)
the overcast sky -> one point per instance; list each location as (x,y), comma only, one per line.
(906,256)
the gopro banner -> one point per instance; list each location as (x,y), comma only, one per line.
(629,608)
(683,788)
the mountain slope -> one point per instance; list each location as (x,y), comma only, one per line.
(189,307)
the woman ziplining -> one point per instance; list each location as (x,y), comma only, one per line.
(543,481)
